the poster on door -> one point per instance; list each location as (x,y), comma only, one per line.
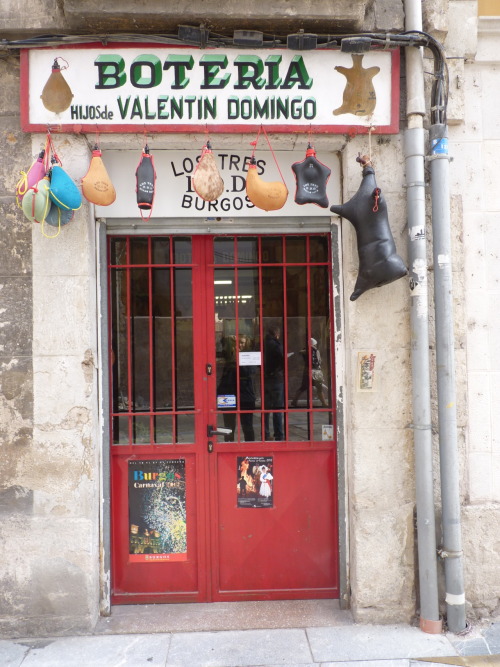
(254,481)
(157,510)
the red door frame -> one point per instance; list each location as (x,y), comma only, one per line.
(201,466)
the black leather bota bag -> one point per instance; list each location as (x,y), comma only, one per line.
(145,182)
(379,263)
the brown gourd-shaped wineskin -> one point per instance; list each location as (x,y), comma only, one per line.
(96,184)
(56,94)
(206,179)
(267,196)
(359,94)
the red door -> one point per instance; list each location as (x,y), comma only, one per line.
(222,425)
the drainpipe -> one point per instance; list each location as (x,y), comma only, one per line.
(414,150)
(451,551)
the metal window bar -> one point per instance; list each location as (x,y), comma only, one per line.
(130,412)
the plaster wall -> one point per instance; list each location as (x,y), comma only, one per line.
(476,153)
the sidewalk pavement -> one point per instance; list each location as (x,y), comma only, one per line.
(345,646)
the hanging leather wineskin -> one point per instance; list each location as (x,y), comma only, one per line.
(56,94)
(96,184)
(206,179)
(36,201)
(30,178)
(267,196)
(58,217)
(379,263)
(63,191)
(145,182)
(312,177)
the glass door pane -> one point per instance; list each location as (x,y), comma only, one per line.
(152,341)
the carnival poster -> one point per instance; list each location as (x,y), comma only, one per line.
(254,481)
(157,510)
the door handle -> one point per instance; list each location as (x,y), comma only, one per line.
(211,431)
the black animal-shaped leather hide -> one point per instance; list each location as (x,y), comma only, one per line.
(379,263)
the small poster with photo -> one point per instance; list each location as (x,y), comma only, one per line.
(254,481)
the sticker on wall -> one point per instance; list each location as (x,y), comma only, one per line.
(366,371)
(157,510)
(327,432)
(226,401)
(254,481)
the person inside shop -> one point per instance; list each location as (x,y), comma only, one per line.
(227,387)
(274,389)
(316,374)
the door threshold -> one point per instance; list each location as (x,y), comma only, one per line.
(217,616)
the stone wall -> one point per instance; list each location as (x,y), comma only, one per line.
(49,486)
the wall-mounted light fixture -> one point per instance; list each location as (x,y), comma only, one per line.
(302,41)
(355,44)
(248,38)
(191,34)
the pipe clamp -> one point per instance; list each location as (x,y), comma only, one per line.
(444,553)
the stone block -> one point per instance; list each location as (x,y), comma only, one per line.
(388,16)
(16,155)
(381,469)
(480,481)
(61,315)
(487,48)
(283,15)
(481,545)
(9,76)
(495,422)
(491,166)
(379,321)
(70,255)
(495,476)
(35,18)
(387,158)
(382,565)
(62,454)
(389,405)
(435,18)
(474,251)
(61,400)
(16,385)
(473,90)
(467,174)
(17,330)
(461,39)
(489,112)
(50,584)
(16,500)
(456,99)
(15,239)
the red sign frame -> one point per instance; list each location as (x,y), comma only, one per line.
(243,128)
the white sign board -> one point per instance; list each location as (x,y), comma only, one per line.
(176,198)
(125,88)
(250,359)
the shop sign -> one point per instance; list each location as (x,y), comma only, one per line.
(122,88)
(157,510)
(175,196)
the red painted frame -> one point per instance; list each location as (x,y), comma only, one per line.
(211,568)
(79,128)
